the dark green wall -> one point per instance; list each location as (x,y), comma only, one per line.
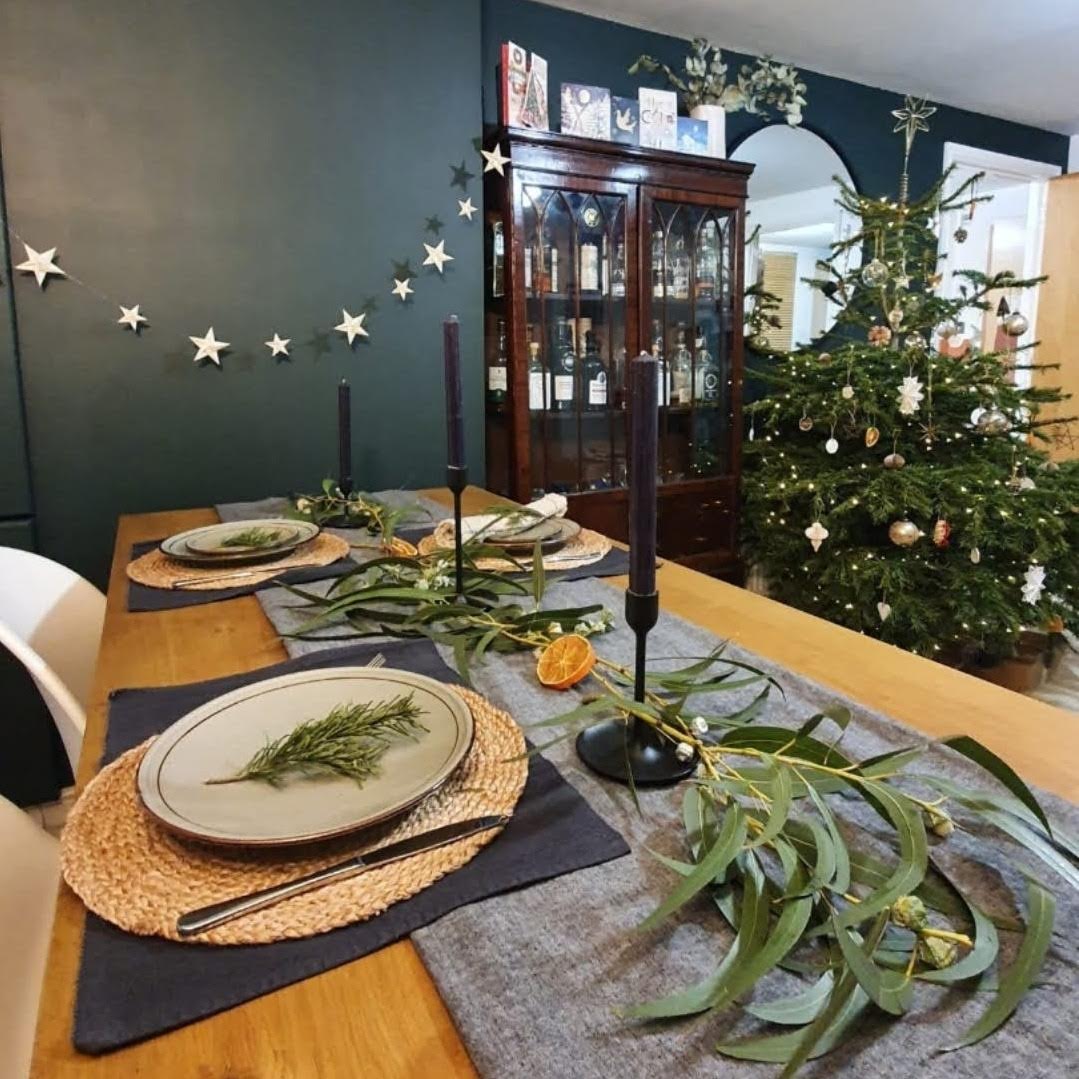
(853,118)
(252,165)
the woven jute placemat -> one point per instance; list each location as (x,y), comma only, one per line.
(133,873)
(587,547)
(157,570)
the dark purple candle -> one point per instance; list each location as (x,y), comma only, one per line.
(344,437)
(455,428)
(642,485)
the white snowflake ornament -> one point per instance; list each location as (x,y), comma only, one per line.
(816,533)
(1033,583)
(910,395)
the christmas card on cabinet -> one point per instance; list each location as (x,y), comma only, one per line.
(586,111)
(659,115)
(625,120)
(534,110)
(514,83)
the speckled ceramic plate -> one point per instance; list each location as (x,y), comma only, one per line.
(206,545)
(220,737)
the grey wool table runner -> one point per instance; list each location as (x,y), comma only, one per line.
(534,979)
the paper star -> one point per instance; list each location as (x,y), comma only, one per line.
(467,209)
(461,176)
(816,533)
(437,256)
(401,289)
(40,264)
(352,326)
(912,118)
(208,347)
(493,160)
(278,346)
(130,317)
(1033,583)
(910,396)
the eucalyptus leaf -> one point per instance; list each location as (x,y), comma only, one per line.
(799,1009)
(890,992)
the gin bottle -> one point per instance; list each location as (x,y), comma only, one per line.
(681,371)
(658,282)
(707,259)
(678,271)
(497,373)
(663,374)
(498,259)
(706,375)
(539,396)
(594,376)
(563,364)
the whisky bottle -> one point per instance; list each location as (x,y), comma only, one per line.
(681,370)
(706,375)
(497,373)
(563,364)
(539,384)
(498,259)
(618,273)
(663,374)
(594,376)
(707,259)
(659,284)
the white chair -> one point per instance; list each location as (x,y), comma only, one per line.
(50,620)
(31,861)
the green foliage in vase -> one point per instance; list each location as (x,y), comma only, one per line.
(351,741)
(252,537)
(770,847)
(417,597)
(354,510)
(950,450)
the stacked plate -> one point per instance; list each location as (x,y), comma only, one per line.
(551,533)
(239,542)
(219,738)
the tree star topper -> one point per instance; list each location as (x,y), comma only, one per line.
(912,118)
(352,325)
(130,317)
(467,209)
(401,289)
(437,255)
(278,346)
(208,347)
(40,264)
(493,160)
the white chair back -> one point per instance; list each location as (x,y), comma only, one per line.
(31,861)
(51,619)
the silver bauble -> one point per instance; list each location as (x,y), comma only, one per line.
(895,317)
(915,342)
(894,460)
(1015,324)
(993,422)
(904,533)
(875,273)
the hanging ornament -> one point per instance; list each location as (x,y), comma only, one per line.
(894,460)
(494,160)
(960,235)
(402,289)
(208,347)
(847,392)
(351,326)
(824,357)
(1033,583)
(1002,308)
(131,318)
(910,395)
(1016,324)
(993,422)
(904,533)
(942,532)
(752,428)
(832,446)
(40,264)
(880,336)
(805,423)
(895,317)
(875,273)
(816,533)
(278,345)
(975,555)
(884,610)
(465,208)
(872,436)
(437,256)
(915,342)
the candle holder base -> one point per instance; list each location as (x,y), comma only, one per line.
(616,750)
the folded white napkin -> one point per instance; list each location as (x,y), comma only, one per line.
(492,525)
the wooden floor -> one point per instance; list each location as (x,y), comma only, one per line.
(381,1016)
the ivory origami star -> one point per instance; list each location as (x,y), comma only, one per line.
(40,264)
(352,325)
(1033,584)
(208,347)
(437,256)
(130,317)
(278,346)
(401,288)
(910,396)
(494,161)
(467,209)
(816,533)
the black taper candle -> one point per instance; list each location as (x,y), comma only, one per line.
(344,437)
(644,429)
(455,431)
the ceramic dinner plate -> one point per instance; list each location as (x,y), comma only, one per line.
(206,545)
(220,737)
(562,532)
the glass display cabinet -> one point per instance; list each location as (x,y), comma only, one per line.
(597,252)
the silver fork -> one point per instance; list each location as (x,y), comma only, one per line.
(378,660)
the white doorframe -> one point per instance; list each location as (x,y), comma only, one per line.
(1037,174)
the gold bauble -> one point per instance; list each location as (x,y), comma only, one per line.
(904,533)
(894,460)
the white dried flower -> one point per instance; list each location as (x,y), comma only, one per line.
(684,751)
(303,504)
(554,629)
(700,724)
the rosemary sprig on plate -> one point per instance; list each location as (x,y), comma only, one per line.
(350,741)
(252,537)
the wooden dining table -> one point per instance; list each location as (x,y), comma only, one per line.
(381,1016)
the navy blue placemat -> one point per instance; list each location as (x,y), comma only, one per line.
(613,564)
(131,987)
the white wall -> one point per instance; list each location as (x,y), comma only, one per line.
(1073,154)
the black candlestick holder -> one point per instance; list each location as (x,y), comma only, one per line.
(457,481)
(632,750)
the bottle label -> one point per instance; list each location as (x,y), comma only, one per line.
(663,387)
(535,391)
(589,268)
(711,386)
(528,268)
(597,390)
(496,378)
(553,281)
(563,387)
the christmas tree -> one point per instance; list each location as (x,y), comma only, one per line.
(896,477)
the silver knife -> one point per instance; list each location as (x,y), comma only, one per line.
(198,921)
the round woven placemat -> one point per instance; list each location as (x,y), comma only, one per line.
(157,570)
(133,873)
(587,547)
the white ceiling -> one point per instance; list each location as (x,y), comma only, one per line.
(1015,60)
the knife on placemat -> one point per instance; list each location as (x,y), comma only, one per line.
(204,918)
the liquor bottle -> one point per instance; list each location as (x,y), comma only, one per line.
(497,373)
(528,269)
(679,271)
(552,268)
(707,258)
(659,285)
(538,383)
(663,374)
(681,370)
(498,258)
(563,364)
(594,376)
(589,266)
(618,273)
(706,375)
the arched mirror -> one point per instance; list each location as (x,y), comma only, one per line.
(793,220)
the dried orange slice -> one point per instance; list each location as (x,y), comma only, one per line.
(400,548)
(565,661)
